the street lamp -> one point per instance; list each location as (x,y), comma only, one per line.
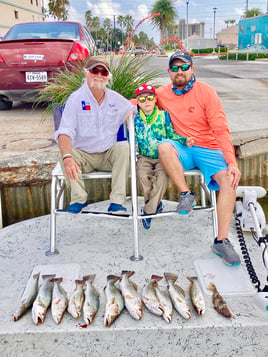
(187,3)
(214,9)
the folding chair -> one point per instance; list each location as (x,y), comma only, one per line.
(57,194)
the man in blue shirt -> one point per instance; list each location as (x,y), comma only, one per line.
(87,136)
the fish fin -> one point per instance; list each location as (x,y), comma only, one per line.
(90,277)
(113,277)
(170,276)
(156,277)
(180,289)
(135,286)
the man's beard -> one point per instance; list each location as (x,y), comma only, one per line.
(97,84)
(180,82)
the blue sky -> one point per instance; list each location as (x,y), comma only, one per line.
(198,11)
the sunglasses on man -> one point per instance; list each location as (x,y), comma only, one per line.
(183,67)
(96,71)
(143,99)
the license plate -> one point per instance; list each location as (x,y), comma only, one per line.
(36,76)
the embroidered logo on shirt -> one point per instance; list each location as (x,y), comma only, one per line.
(112,105)
(85,106)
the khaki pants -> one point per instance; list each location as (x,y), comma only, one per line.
(153,180)
(115,160)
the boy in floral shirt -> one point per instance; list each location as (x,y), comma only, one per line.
(151,127)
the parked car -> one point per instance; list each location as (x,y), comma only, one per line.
(139,51)
(31,53)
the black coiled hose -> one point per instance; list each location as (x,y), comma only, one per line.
(245,254)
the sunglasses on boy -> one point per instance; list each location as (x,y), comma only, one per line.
(183,67)
(147,97)
(95,70)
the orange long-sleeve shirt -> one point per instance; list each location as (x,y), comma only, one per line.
(199,114)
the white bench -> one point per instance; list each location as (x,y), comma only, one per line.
(57,197)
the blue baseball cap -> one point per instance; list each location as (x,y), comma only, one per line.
(181,55)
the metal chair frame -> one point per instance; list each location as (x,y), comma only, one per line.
(57,197)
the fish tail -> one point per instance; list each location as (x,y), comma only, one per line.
(129,273)
(171,277)
(156,277)
(48,276)
(57,280)
(90,277)
(212,287)
(36,276)
(79,282)
(113,277)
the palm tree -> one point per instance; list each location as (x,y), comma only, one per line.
(95,24)
(167,16)
(120,21)
(129,21)
(88,16)
(58,9)
(107,26)
(253,12)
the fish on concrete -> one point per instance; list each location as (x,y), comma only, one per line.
(196,295)
(92,299)
(132,299)
(114,300)
(150,298)
(59,301)
(76,300)
(177,295)
(220,305)
(165,301)
(43,299)
(28,296)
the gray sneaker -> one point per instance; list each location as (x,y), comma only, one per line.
(186,203)
(226,251)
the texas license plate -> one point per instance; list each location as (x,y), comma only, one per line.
(36,76)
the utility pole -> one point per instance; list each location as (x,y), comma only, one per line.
(187,34)
(214,33)
(114,35)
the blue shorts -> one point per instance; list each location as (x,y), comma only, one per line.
(208,161)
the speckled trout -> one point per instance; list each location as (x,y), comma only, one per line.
(43,299)
(92,299)
(132,299)
(59,301)
(177,295)
(76,299)
(114,300)
(150,298)
(196,296)
(28,296)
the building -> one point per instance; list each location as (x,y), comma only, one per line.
(15,11)
(193,29)
(253,34)
(228,37)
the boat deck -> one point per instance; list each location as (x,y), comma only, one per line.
(103,246)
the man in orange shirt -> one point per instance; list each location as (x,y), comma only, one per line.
(196,111)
